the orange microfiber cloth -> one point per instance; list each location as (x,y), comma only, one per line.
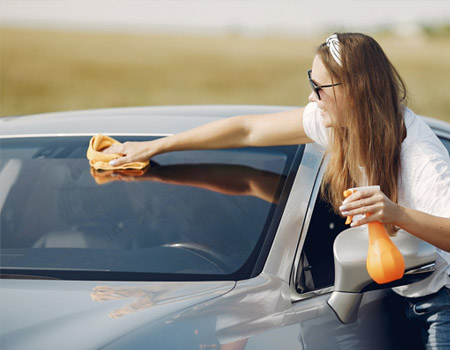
(100,161)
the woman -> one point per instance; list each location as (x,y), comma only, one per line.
(357,112)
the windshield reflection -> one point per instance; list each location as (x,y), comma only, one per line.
(227,179)
(144,298)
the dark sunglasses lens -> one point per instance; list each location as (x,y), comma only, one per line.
(316,91)
(313,85)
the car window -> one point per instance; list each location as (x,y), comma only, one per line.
(316,270)
(190,215)
(446,143)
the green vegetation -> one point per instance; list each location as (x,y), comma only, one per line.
(437,31)
(45,71)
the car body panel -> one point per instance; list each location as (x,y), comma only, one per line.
(163,120)
(176,315)
(286,239)
(90,315)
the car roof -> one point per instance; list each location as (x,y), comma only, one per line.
(439,126)
(139,120)
(156,120)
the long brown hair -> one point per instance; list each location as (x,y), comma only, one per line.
(372,110)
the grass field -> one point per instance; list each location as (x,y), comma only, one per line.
(45,71)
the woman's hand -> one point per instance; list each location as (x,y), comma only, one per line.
(370,201)
(430,228)
(131,152)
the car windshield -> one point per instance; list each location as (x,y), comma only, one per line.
(191,215)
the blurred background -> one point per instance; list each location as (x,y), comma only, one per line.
(58,55)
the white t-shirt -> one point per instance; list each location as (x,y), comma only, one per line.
(424,183)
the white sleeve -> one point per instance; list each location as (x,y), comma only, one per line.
(313,126)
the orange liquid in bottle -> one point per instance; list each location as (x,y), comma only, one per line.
(384,262)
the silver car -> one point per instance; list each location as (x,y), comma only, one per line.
(217,249)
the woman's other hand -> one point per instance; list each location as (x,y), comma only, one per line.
(372,203)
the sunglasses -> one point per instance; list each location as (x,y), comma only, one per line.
(316,88)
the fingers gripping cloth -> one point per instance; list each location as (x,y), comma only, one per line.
(100,161)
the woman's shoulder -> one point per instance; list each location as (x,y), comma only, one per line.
(419,136)
(416,127)
(422,150)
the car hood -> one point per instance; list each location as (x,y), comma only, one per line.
(90,315)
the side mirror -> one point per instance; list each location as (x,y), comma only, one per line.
(351,276)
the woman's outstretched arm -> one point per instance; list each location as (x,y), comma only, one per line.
(282,128)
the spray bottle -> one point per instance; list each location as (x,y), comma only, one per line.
(384,262)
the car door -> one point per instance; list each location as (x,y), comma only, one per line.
(381,322)
(312,283)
